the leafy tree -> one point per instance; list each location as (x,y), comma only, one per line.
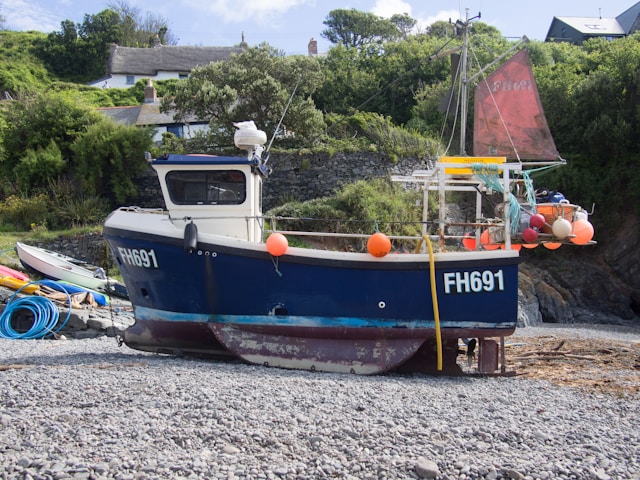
(80,52)
(254,85)
(441,29)
(138,29)
(404,23)
(108,156)
(356,29)
(35,121)
(382,82)
(38,166)
(348,81)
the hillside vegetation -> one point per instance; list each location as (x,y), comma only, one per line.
(381,92)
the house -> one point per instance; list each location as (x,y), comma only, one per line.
(579,29)
(127,65)
(148,115)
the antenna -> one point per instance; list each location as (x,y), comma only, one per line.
(275,132)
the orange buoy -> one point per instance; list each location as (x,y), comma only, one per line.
(485,241)
(529,245)
(469,241)
(583,231)
(378,244)
(277,244)
(551,245)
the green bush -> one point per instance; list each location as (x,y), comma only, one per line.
(82,211)
(21,212)
(363,208)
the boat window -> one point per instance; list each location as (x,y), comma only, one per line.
(222,187)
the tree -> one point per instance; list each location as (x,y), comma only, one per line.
(441,29)
(107,158)
(384,82)
(33,122)
(254,85)
(39,166)
(138,29)
(79,52)
(404,23)
(356,29)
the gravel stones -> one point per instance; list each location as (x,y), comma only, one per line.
(89,409)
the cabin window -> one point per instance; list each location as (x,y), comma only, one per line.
(130,80)
(220,187)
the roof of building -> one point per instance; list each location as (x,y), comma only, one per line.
(628,19)
(593,26)
(122,115)
(171,58)
(147,114)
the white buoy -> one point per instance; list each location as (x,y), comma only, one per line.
(561,228)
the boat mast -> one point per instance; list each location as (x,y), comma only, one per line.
(464,85)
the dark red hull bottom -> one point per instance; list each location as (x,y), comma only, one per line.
(343,350)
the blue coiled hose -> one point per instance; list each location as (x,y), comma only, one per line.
(45,316)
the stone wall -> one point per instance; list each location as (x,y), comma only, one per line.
(90,248)
(302,177)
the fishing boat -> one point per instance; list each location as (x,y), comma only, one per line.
(210,274)
(57,266)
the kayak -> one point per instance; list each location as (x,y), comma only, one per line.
(17,284)
(10,272)
(71,289)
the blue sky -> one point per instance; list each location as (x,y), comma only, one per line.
(290,24)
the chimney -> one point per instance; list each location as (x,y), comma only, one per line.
(156,41)
(313,47)
(149,92)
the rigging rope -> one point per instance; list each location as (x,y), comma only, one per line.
(45,316)
(488,173)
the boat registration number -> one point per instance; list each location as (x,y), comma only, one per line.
(139,257)
(473,282)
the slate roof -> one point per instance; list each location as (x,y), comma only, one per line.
(593,26)
(167,58)
(629,19)
(142,115)
(581,28)
(122,115)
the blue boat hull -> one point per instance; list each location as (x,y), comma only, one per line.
(306,312)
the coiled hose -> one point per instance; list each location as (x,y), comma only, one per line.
(45,316)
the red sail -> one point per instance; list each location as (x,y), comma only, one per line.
(509,120)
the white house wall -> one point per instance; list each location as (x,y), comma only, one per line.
(120,81)
(189,131)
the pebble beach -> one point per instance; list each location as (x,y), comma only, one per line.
(92,409)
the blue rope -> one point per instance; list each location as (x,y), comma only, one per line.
(45,316)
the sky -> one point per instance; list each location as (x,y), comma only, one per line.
(288,25)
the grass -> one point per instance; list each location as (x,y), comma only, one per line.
(8,240)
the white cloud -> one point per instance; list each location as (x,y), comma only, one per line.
(260,11)
(388,8)
(28,15)
(445,15)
